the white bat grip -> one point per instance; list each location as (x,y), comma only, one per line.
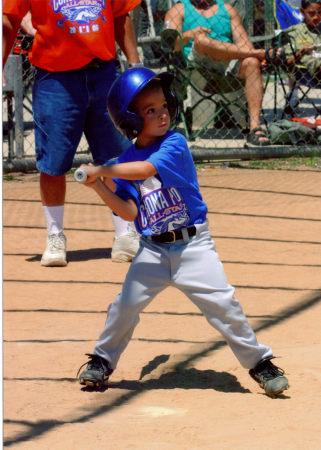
(80,175)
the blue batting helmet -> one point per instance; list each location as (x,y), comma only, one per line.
(124,90)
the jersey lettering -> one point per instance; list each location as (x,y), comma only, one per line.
(161,209)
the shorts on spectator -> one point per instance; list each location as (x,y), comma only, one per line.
(68,104)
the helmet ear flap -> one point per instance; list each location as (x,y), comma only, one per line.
(131,125)
(172,103)
(124,90)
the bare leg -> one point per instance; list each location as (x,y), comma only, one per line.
(52,189)
(251,73)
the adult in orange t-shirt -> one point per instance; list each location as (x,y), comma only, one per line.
(74,54)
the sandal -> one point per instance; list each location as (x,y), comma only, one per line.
(255,138)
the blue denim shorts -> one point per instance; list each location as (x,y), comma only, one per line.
(67,104)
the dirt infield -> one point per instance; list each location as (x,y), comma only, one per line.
(178,385)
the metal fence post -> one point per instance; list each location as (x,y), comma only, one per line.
(14,88)
(269,16)
(249,17)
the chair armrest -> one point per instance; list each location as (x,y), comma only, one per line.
(168,40)
(263,38)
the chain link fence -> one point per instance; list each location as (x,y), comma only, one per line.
(214,118)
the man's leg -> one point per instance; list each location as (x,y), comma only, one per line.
(59,107)
(52,189)
(52,192)
(105,143)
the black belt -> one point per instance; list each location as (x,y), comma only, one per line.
(171,236)
(95,64)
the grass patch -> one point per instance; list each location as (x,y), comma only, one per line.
(293,163)
(8,177)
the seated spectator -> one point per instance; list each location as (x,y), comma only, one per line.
(304,38)
(213,35)
(300,45)
(288,13)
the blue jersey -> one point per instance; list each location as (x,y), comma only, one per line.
(171,199)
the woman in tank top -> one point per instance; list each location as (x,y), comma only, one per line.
(213,34)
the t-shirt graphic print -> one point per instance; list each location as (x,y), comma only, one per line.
(81,13)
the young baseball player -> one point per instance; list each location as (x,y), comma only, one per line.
(157,187)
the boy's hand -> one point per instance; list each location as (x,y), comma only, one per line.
(307,49)
(90,177)
(93,172)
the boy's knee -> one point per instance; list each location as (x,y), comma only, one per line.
(126,305)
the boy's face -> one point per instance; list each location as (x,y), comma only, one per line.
(312,15)
(151,106)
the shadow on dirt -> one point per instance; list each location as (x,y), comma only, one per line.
(179,376)
(186,379)
(176,377)
(80,255)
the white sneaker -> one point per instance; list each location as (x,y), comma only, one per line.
(125,247)
(55,253)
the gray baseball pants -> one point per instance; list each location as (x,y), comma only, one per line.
(194,268)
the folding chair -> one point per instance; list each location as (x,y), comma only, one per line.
(209,85)
(286,16)
(150,23)
(304,83)
(301,81)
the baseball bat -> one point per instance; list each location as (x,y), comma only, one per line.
(80,175)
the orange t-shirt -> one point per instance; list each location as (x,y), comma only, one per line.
(70,33)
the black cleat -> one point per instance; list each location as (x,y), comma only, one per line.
(270,377)
(97,372)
